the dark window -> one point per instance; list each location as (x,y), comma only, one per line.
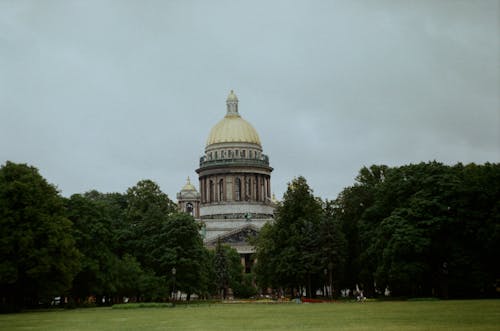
(221,190)
(189,208)
(237,189)
(211,191)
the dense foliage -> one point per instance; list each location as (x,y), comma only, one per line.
(426,229)
(38,256)
(301,248)
(101,247)
(423,230)
(417,230)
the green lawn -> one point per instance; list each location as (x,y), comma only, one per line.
(416,315)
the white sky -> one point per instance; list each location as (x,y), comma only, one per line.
(101,94)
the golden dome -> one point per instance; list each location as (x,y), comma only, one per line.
(233,128)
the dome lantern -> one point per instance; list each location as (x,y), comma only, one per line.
(232,104)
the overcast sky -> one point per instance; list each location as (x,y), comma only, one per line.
(101,94)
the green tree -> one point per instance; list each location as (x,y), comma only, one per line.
(423,229)
(161,238)
(229,273)
(333,247)
(246,288)
(106,271)
(221,270)
(93,236)
(266,249)
(146,212)
(38,254)
(178,244)
(287,251)
(208,277)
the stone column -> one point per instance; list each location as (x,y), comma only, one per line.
(201,191)
(229,188)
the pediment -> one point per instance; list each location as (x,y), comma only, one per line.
(236,237)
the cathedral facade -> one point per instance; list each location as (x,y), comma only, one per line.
(234,200)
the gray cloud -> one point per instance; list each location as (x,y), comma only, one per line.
(100,94)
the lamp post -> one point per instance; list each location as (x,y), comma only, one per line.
(173,279)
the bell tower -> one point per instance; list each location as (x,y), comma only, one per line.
(188,200)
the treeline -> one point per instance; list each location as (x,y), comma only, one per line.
(101,246)
(417,230)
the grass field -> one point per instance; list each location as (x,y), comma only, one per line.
(405,315)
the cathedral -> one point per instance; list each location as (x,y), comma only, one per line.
(234,200)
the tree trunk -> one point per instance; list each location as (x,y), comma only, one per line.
(309,294)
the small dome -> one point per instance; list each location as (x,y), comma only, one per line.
(188,186)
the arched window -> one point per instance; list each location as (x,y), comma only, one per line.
(237,189)
(211,191)
(216,156)
(262,189)
(243,153)
(189,208)
(221,190)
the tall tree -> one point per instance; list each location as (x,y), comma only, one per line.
(106,271)
(287,250)
(38,257)
(424,229)
(146,212)
(178,244)
(93,236)
(161,238)
(221,270)
(333,247)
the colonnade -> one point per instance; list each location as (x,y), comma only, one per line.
(246,187)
